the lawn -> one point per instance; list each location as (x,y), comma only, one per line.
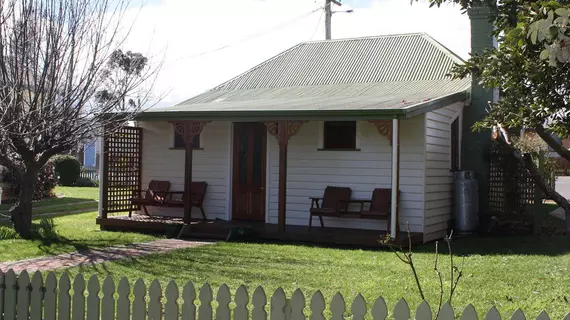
(67,199)
(76,232)
(531,273)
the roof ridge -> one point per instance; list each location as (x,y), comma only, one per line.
(367,37)
(445,49)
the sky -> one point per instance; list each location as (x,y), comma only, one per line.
(203,43)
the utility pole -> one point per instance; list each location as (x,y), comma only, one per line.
(328,16)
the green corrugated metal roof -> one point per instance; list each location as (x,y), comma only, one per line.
(385,73)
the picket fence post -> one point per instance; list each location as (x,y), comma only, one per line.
(224,298)
(241,299)
(469,313)
(188,296)
(259,302)
(23,295)
(123,302)
(402,310)
(37,296)
(50,301)
(2,284)
(380,309)
(154,302)
(317,306)
(11,292)
(108,302)
(171,307)
(139,302)
(64,301)
(78,303)
(423,312)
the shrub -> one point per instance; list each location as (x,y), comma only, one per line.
(46,181)
(86,182)
(67,168)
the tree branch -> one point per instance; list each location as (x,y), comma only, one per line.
(551,142)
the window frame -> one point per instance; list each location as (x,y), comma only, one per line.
(182,147)
(323,138)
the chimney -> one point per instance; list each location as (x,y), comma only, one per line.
(476,146)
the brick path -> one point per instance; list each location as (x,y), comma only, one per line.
(94,256)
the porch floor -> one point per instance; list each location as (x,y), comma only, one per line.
(220,229)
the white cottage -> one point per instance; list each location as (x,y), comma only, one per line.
(363,113)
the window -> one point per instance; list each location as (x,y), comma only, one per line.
(339,135)
(179,141)
(455,145)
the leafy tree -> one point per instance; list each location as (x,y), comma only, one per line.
(530,67)
(55,56)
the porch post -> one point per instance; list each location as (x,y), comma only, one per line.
(188,148)
(188,130)
(394,210)
(282,199)
(283,131)
(103,178)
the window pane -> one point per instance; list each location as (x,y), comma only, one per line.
(340,135)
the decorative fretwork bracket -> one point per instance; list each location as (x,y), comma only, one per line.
(293,128)
(384,128)
(188,129)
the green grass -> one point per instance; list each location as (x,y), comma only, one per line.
(529,273)
(67,199)
(76,232)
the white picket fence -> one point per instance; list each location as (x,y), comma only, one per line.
(33,299)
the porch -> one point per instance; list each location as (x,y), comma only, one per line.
(252,175)
(220,229)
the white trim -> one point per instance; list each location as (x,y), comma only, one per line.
(395,161)
(357,135)
(101,173)
(321,135)
(458,115)
(267,177)
(424,183)
(230,171)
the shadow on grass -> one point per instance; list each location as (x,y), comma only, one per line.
(49,202)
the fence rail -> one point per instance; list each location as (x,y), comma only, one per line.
(91,173)
(36,299)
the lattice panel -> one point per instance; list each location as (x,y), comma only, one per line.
(511,188)
(123,151)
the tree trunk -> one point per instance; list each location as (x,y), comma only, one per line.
(21,213)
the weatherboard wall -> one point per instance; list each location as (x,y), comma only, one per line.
(438,177)
(309,171)
(211,164)
(424,163)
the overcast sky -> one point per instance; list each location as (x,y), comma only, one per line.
(186,33)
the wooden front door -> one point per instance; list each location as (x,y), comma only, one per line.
(248,195)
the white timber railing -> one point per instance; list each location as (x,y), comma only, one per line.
(62,299)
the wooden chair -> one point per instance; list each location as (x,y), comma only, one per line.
(334,201)
(198,194)
(379,206)
(153,195)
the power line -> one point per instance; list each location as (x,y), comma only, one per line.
(318,23)
(248,38)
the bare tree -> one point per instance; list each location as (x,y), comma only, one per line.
(55,56)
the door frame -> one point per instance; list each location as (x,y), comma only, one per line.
(232,170)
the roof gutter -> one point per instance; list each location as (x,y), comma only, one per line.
(273,115)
